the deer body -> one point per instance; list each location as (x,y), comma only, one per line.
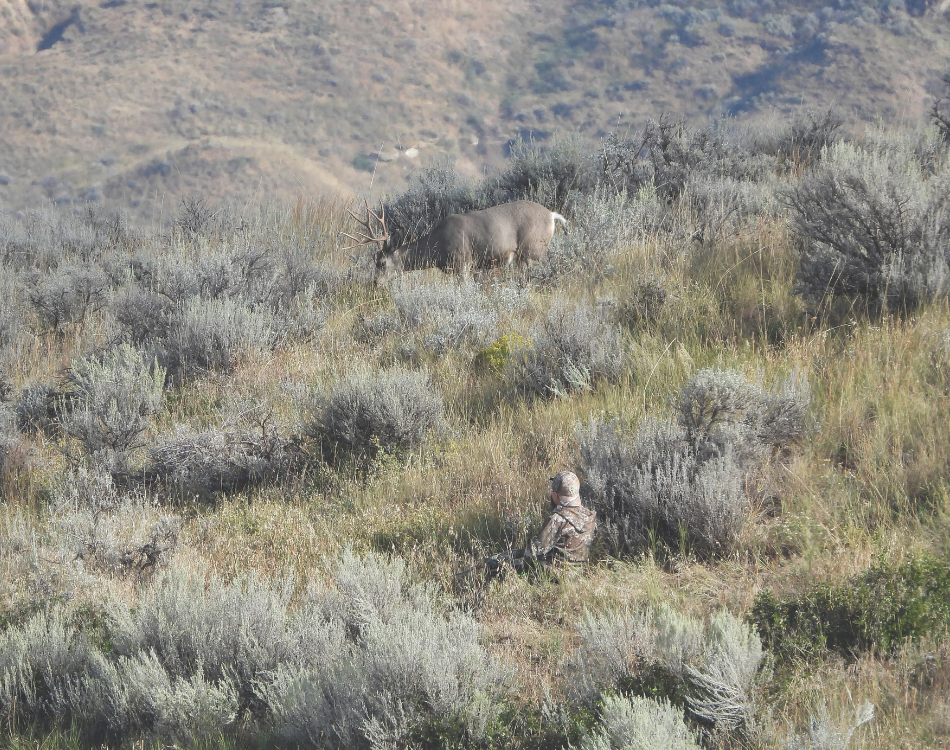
(496,236)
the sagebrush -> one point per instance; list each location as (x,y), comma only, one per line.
(688,484)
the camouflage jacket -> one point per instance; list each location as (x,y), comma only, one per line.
(568,533)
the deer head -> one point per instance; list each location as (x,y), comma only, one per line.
(369,237)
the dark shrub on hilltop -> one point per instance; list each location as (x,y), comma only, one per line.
(940,109)
(554,175)
(668,153)
(69,295)
(802,142)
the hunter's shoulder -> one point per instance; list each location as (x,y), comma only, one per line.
(578,511)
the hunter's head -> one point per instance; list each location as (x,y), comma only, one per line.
(565,489)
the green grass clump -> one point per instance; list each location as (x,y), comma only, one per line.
(494,357)
(876,611)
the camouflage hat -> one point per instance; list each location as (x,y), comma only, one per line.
(566,485)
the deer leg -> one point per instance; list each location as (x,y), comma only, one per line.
(523,265)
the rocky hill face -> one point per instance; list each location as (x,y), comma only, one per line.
(139,104)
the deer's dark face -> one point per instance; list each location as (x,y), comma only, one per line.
(389,261)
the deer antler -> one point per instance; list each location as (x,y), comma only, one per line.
(368,239)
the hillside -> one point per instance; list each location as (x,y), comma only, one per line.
(139,104)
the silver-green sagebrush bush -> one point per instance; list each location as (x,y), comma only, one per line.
(613,644)
(714,671)
(11,314)
(279,284)
(36,408)
(722,205)
(657,488)
(618,645)
(196,219)
(177,668)
(143,314)
(824,733)
(449,314)
(11,444)
(601,223)
(874,224)
(107,530)
(31,241)
(69,294)
(719,172)
(257,275)
(686,482)
(444,315)
(215,335)
(723,686)
(192,620)
(137,696)
(719,408)
(396,663)
(84,487)
(365,662)
(302,318)
(570,351)
(637,723)
(43,239)
(110,399)
(387,410)
(38,659)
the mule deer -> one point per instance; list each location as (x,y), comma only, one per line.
(492,237)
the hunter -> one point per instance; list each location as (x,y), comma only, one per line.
(567,534)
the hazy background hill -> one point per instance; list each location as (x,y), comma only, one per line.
(139,104)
